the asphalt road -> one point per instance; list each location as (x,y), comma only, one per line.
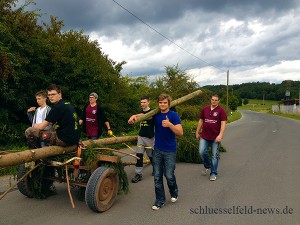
(258,183)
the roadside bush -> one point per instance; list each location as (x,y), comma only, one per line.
(188,112)
(188,145)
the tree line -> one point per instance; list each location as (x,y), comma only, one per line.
(260,90)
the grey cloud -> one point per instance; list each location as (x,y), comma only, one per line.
(95,14)
(192,24)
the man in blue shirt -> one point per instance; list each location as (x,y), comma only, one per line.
(167,127)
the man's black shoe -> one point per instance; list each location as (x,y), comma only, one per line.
(137,178)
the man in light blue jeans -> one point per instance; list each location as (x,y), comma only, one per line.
(211,124)
(167,127)
(208,163)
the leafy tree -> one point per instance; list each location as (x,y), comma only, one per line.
(233,102)
(176,82)
(33,56)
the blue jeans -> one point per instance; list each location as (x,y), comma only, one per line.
(164,163)
(210,163)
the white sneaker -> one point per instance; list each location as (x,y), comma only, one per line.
(157,207)
(174,199)
(204,171)
(213,178)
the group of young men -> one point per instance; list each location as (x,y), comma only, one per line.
(59,125)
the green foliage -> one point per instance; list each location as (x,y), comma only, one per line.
(188,112)
(245,101)
(188,145)
(44,55)
(235,116)
(259,90)
(36,183)
(9,170)
(89,156)
(175,82)
(187,149)
(259,105)
(233,102)
(291,116)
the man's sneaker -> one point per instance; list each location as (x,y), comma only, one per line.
(204,171)
(174,198)
(213,178)
(157,207)
(137,178)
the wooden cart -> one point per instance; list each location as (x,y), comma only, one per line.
(100,180)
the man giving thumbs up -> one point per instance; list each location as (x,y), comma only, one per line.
(167,127)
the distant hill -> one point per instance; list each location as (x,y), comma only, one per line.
(259,90)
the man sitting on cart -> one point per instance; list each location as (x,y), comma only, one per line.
(64,117)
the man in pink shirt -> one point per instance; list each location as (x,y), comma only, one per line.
(210,130)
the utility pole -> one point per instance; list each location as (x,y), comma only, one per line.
(299,101)
(227,90)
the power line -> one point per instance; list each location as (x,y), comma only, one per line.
(152,28)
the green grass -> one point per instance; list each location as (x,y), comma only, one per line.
(258,105)
(235,116)
(291,116)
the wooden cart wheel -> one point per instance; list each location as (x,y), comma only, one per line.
(102,189)
(25,186)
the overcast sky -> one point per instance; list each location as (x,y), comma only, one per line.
(255,40)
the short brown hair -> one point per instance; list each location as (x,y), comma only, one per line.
(163,97)
(41,93)
(216,95)
(54,87)
(145,98)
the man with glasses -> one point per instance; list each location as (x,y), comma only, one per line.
(64,117)
(210,130)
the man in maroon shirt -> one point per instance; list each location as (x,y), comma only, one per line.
(212,121)
(94,119)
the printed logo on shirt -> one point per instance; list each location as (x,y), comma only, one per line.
(215,114)
(210,121)
(94,111)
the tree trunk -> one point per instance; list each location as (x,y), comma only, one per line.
(17,158)
(173,103)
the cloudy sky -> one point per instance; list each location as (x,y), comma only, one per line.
(255,40)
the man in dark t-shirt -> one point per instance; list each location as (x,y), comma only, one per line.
(145,138)
(63,115)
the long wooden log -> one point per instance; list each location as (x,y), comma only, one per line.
(17,158)
(173,103)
